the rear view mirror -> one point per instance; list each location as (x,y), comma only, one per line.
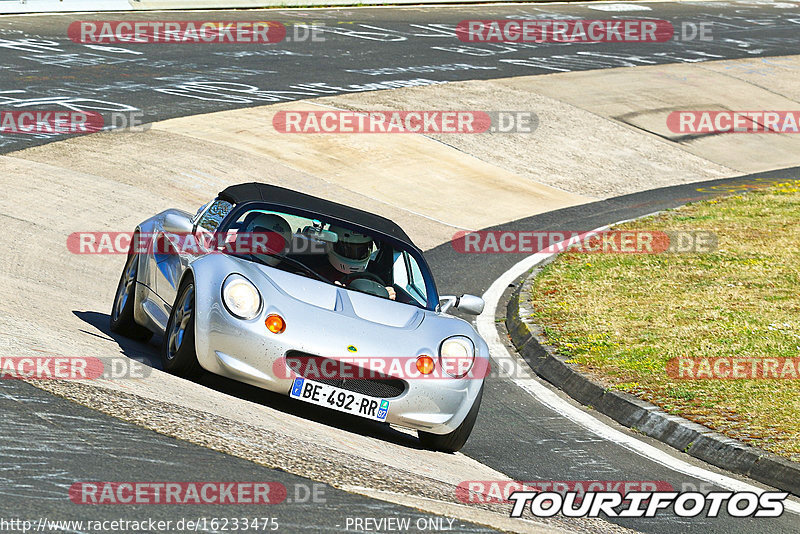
(465,303)
(325,236)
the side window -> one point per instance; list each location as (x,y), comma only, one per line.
(417,282)
(407,274)
(209,221)
(399,270)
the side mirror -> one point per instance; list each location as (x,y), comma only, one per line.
(176,224)
(465,303)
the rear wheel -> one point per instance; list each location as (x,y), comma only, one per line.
(178,354)
(122,321)
(456,439)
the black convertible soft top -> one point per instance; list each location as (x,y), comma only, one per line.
(273,194)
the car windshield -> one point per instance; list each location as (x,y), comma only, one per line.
(347,256)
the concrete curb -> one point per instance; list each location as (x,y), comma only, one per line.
(682,434)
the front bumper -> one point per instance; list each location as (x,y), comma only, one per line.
(246,351)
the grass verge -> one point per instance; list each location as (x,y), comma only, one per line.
(621,317)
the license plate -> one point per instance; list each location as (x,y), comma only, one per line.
(339,399)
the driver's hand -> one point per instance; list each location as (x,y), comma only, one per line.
(392,292)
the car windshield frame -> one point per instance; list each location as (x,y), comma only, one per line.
(432,295)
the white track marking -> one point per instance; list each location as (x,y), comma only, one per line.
(618,7)
(488,330)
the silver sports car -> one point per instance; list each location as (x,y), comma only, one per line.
(328,304)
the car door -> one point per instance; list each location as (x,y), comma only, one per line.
(183,240)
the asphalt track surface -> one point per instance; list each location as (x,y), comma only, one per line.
(47,441)
(363,49)
(46,437)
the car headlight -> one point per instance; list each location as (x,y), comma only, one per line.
(457,355)
(241,297)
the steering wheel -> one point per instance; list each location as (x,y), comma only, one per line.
(367,283)
(346,279)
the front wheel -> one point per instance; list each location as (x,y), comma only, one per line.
(178,354)
(456,439)
(122,321)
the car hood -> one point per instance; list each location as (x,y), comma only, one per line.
(334,298)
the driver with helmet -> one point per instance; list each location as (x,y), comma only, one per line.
(350,254)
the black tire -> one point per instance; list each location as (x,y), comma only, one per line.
(121,317)
(456,439)
(178,354)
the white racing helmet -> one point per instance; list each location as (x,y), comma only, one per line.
(350,253)
(270,224)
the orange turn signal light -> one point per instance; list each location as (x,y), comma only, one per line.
(425,365)
(275,323)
